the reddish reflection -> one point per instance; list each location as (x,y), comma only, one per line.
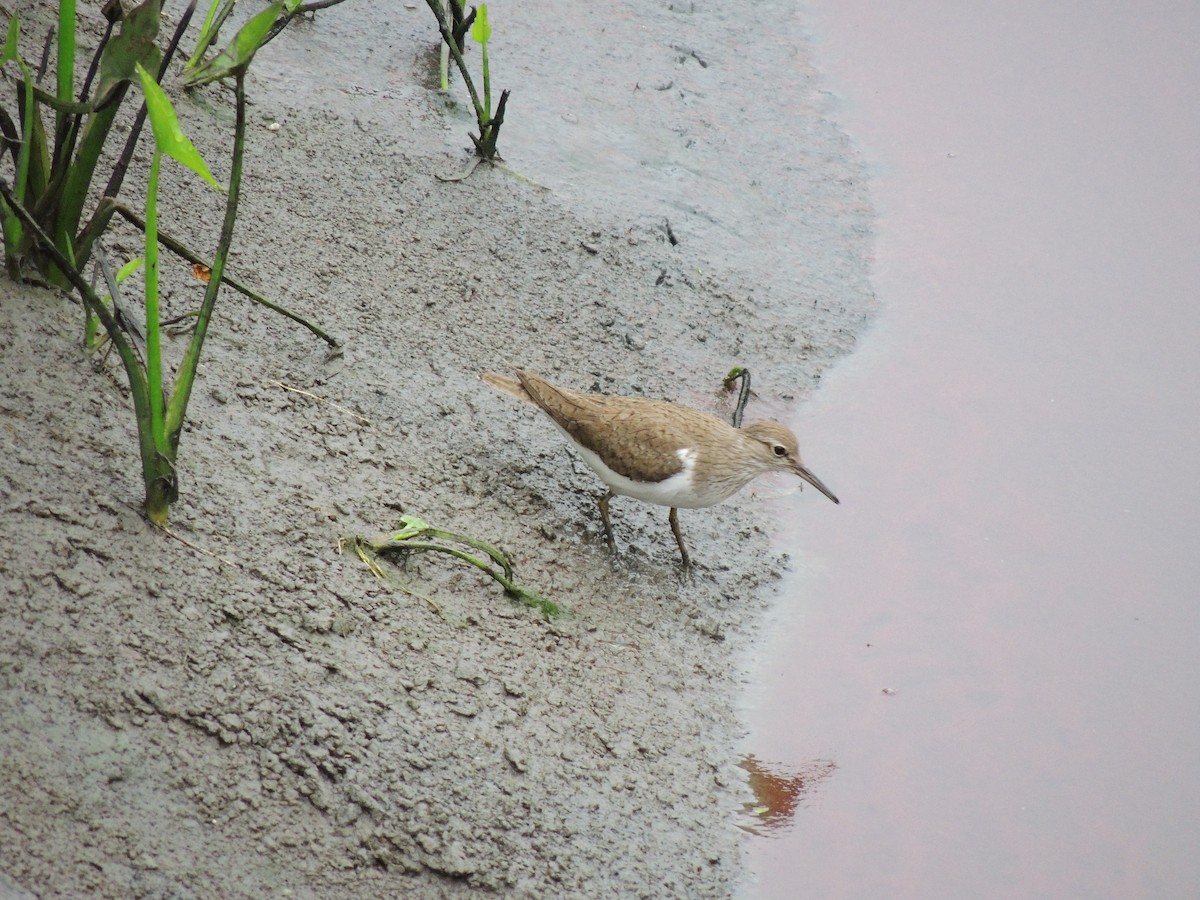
(778,790)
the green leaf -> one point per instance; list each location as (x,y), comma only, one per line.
(129,268)
(65,70)
(168,136)
(481,30)
(240,50)
(410,526)
(10,45)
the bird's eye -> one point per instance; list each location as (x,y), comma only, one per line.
(780,450)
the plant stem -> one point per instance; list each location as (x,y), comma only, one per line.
(191,358)
(209,30)
(154,375)
(739,372)
(487,88)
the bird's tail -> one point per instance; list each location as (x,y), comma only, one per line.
(507,385)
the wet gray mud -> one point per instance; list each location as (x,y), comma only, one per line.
(238,709)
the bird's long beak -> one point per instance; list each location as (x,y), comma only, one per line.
(814,481)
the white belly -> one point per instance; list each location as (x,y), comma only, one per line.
(674,491)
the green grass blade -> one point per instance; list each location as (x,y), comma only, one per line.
(12,41)
(129,268)
(487,88)
(66,53)
(208,20)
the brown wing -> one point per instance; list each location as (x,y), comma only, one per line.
(635,437)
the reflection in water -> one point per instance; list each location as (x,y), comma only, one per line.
(778,790)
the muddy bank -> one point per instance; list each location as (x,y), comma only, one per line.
(245,710)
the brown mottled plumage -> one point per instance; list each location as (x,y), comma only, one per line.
(657,451)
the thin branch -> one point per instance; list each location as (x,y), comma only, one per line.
(181,250)
(320,399)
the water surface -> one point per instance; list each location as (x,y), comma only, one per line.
(994,640)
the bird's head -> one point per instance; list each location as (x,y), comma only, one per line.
(782,453)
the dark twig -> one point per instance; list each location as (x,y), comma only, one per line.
(486,146)
(301,10)
(460,24)
(123,319)
(45,61)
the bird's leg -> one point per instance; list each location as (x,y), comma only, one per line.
(608,535)
(674,520)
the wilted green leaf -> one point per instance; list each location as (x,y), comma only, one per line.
(168,136)
(240,50)
(481,30)
(134,45)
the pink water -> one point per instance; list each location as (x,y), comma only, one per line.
(1015,557)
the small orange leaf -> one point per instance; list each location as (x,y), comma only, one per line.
(202,272)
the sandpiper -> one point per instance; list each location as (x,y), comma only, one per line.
(659,452)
